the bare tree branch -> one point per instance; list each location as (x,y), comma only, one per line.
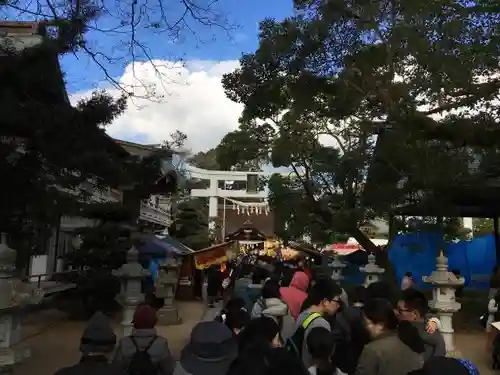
(130,24)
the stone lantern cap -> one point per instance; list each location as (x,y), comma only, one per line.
(372,266)
(169,263)
(337,263)
(442,276)
(132,269)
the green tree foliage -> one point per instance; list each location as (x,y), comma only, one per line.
(482,226)
(177,140)
(451,227)
(325,81)
(103,246)
(190,225)
(190,221)
(205,160)
(293,216)
(245,148)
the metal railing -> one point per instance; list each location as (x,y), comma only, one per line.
(51,277)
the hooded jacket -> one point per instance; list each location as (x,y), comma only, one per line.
(295,294)
(434,342)
(277,310)
(271,307)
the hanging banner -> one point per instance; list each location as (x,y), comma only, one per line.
(211,257)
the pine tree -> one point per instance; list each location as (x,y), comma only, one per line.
(49,148)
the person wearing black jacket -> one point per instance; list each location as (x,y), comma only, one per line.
(349,332)
(350,337)
(214,282)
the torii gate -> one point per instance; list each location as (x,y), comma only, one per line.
(213,192)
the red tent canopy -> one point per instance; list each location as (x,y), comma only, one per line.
(344,248)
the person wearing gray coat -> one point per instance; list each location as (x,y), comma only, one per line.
(270,304)
(144,335)
(413,307)
(276,309)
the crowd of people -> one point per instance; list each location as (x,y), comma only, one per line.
(280,320)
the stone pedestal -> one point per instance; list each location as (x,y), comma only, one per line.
(131,275)
(443,300)
(166,285)
(14,296)
(337,267)
(372,271)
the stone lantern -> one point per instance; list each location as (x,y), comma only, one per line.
(372,271)
(337,267)
(131,275)
(166,286)
(444,284)
(14,296)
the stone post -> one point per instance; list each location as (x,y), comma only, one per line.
(166,285)
(131,275)
(14,296)
(372,271)
(443,300)
(337,267)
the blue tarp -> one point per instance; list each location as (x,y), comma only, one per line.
(153,268)
(156,246)
(417,253)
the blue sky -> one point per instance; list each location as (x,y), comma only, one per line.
(82,74)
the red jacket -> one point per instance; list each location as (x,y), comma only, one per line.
(309,273)
(295,294)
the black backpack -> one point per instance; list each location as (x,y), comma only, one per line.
(295,343)
(141,363)
(351,337)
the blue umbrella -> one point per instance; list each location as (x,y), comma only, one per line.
(177,244)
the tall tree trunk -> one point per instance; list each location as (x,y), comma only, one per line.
(364,241)
(382,254)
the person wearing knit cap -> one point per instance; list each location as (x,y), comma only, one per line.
(97,343)
(144,338)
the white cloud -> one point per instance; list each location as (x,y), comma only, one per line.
(193,102)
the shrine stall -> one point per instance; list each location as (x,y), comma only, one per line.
(193,265)
(249,238)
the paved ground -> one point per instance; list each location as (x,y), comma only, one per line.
(211,313)
(57,345)
(473,347)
